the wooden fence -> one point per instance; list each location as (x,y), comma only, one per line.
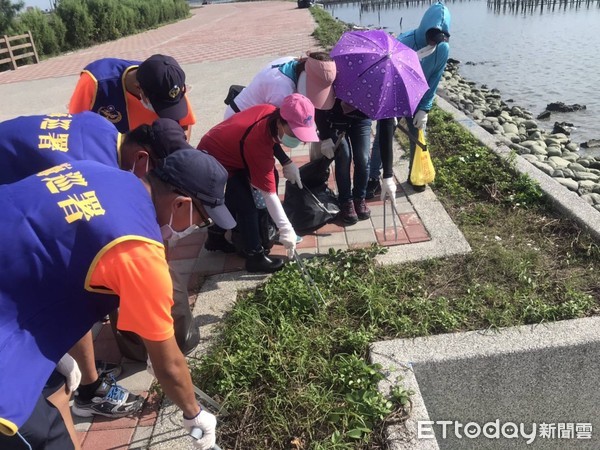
(11,52)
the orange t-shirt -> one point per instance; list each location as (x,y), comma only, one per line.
(85,92)
(138,273)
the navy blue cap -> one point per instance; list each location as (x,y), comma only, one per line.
(163,81)
(200,176)
(168,136)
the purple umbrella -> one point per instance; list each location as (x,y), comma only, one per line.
(377,74)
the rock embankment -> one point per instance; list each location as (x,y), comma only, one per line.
(553,152)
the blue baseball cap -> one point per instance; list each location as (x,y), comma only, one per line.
(201,177)
(168,136)
(163,81)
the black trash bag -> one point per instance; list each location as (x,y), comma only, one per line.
(309,209)
(130,344)
(315,174)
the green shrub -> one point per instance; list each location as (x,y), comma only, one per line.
(127,19)
(104,13)
(80,25)
(8,12)
(42,29)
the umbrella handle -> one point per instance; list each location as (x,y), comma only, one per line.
(411,137)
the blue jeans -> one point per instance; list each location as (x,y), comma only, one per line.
(375,163)
(353,149)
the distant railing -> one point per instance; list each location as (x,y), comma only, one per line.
(524,6)
(18,51)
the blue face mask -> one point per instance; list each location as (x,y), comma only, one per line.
(289,141)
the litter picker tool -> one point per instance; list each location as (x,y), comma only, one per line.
(196,432)
(394,214)
(310,283)
(207,399)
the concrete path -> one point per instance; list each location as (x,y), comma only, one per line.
(218,46)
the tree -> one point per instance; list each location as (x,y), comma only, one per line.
(8,11)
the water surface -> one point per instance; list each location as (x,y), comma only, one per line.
(534,58)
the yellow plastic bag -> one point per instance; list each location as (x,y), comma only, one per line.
(422,171)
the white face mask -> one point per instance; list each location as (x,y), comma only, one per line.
(426,51)
(132,170)
(147,104)
(171,236)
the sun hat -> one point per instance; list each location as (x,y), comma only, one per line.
(319,82)
(201,177)
(163,82)
(299,113)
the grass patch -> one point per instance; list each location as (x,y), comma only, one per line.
(328,29)
(295,374)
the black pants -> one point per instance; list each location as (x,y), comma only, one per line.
(44,430)
(239,200)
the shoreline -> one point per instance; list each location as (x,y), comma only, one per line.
(552,152)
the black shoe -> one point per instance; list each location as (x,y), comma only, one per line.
(417,187)
(109,400)
(348,213)
(259,262)
(362,211)
(217,242)
(373,188)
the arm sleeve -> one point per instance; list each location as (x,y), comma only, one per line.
(138,273)
(433,68)
(276,210)
(323,124)
(386,146)
(83,96)
(280,154)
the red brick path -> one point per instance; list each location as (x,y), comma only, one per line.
(213,33)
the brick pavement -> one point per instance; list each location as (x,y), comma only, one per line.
(224,32)
(334,235)
(213,33)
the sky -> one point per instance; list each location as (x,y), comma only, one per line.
(42,4)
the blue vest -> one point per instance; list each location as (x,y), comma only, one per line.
(56,224)
(111,102)
(30,144)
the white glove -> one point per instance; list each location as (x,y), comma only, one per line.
(420,119)
(68,367)
(292,174)
(388,188)
(328,148)
(207,423)
(287,237)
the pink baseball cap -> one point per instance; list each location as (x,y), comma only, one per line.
(299,113)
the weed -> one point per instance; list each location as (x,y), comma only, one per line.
(328,30)
(295,374)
